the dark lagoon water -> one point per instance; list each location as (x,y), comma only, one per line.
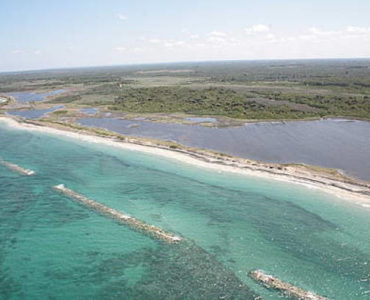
(33,113)
(53,248)
(332,143)
(23,97)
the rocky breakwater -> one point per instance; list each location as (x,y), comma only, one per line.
(288,289)
(16,168)
(136,224)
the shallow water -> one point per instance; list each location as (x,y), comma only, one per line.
(23,97)
(52,247)
(90,111)
(33,113)
(340,144)
(199,120)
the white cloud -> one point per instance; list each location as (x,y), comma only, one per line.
(350,32)
(122,17)
(138,49)
(258,28)
(218,34)
(170,44)
(37,52)
(356,29)
(261,42)
(154,41)
(217,40)
(17,51)
(120,49)
(307,37)
(321,32)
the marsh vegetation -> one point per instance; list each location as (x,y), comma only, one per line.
(239,89)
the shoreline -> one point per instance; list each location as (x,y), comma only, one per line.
(342,187)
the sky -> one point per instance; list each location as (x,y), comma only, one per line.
(43,34)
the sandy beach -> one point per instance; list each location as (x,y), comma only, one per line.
(357,192)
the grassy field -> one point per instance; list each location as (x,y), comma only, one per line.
(239,89)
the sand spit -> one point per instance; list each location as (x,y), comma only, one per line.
(357,192)
(287,288)
(16,168)
(123,218)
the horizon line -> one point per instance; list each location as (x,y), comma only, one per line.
(179,62)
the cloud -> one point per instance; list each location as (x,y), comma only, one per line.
(154,41)
(360,30)
(171,44)
(122,17)
(37,52)
(17,51)
(259,28)
(217,40)
(218,34)
(138,49)
(120,49)
(321,32)
(307,37)
(260,42)
(350,32)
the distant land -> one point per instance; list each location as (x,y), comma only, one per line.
(251,90)
(175,102)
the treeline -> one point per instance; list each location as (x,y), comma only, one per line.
(209,101)
(327,104)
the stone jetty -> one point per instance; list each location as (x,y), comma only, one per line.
(16,168)
(288,289)
(122,218)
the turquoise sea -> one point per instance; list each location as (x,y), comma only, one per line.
(54,248)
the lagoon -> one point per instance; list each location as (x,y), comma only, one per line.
(33,113)
(332,143)
(25,97)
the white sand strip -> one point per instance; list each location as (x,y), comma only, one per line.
(339,189)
